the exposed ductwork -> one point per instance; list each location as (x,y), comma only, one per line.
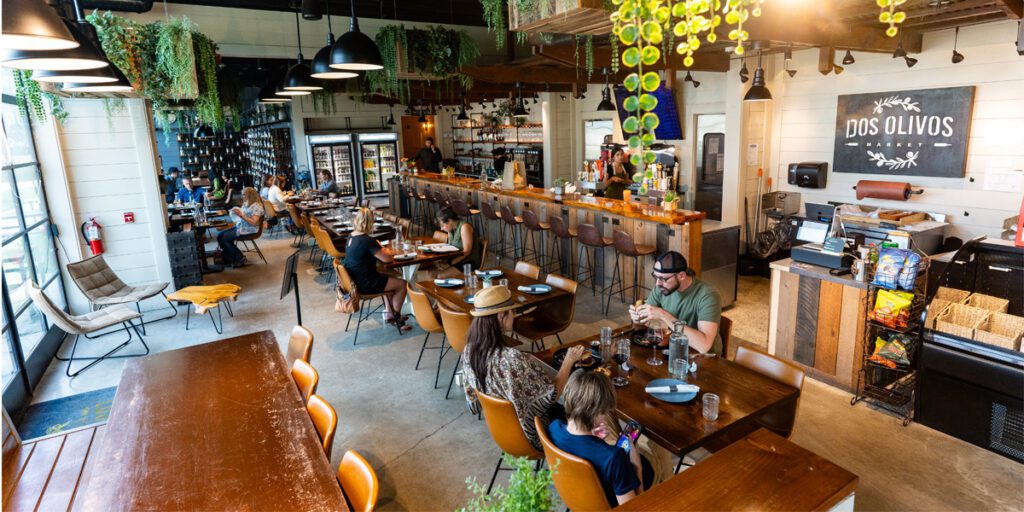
(118,5)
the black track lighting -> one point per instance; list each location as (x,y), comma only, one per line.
(355,51)
(462,114)
(788,58)
(848,58)
(758,91)
(562,96)
(311,10)
(299,76)
(837,68)
(899,52)
(744,73)
(391,114)
(606,104)
(910,61)
(689,78)
(34,25)
(957,56)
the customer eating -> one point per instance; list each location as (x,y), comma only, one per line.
(498,370)
(327,184)
(678,295)
(189,193)
(362,252)
(247,220)
(461,235)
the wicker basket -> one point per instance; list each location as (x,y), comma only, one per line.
(987,302)
(936,308)
(951,294)
(1002,330)
(960,320)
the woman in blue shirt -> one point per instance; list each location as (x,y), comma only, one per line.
(247,221)
(327,184)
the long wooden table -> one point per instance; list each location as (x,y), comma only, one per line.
(759,472)
(456,297)
(744,395)
(218,426)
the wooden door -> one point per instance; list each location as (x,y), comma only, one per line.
(414,134)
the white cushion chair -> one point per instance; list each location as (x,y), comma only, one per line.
(103,288)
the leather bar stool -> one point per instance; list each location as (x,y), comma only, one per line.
(514,224)
(430,210)
(467,214)
(563,232)
(416,208)
(589,238)
(624,246)
(536,230)
(491,218)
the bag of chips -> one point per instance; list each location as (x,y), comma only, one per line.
(892,352)
(892,308)
(908,274)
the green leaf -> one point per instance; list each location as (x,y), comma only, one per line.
(647,101)
(649,121)
(649,30)
(650,55)
(634,142)
(631,103)
(650,81)
(636,160)
(628,34)
(632,82)
(650,157)
(647,139)
(648,173)
(637,177)
(631,125)
(631,57)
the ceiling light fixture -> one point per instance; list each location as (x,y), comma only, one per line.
(606,104)
(788,56)
(758,91)
(82,76)
(391,113)
(121,84)
(422,118)
(267,95)
(910,61)
(34,25)
(86,55)
(462,114)
(520,110)
(355,51)
(957,56)
(838,69)
(298,77)
(689,78)
(744,73)
(321,68)
(848,58)
(899,52)
(311,10)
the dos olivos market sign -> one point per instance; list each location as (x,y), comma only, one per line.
(909,133)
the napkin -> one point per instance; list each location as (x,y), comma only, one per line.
(678,388)
(525,288)
(570,189)
(442,281)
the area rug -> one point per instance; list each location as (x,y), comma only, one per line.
(70,412)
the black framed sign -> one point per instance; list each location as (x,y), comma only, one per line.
(905,133)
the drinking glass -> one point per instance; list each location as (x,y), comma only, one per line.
(606,344)
(679,369)
(419,246)
(621,357)
(503,282)
(653,338)
(467,270)
(471,281)
(710,411)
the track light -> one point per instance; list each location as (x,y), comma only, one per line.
(744,73)
(838,69)
(848,58)
(899,52)
(910,61)
(689,78)
(788,58)
(957,56)
(562,96)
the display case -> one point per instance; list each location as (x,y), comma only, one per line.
(333,153)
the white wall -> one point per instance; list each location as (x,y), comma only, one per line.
(99,166)
(803,127)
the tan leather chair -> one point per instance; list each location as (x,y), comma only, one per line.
(300,345)
(305,377)
(556,315)
(250,240)
(346,284)
(535,231)
(724,329)
(590,240)
(575,479)
(359,481)
(456,329)
(440,236)
(426,317)
(779,421)
(527,269)
(506,431)
(300,232)
(324,419)
(564,233)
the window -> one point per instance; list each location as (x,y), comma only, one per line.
(594,132)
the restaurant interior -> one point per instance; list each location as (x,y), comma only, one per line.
(658,255)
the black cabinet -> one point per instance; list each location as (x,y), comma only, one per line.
(1002,275)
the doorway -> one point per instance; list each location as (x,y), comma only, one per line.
(415,133)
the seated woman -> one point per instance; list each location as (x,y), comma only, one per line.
(504,372)
(246,219)
(327,185)
(218,193)
(362,253)
(460,234)
(586,433)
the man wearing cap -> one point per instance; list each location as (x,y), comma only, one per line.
(678,295)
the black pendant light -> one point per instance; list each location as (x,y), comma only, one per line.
(606,104)
(758,91)
(322,61)
(311,10)
(848,58)
(121,84)
(689,78)
(422,118)
(744,73)
(391,114)
(462,114)
(203,131)
(34,25)
(298,77)
(86,55)
(355,51)
(85,76)
(520,110)
(267,95)
(957,56)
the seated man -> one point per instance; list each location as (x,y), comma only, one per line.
(170,184)
(589,409)
(190,193)
(678,295)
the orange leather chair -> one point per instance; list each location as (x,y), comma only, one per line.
(456,329)
(324,419)
(550,320)
(575,479)
(428,320)
(506,431)
(305,377)
(300,345)
(527,269)
(359,482)
(779,421)
(346,284)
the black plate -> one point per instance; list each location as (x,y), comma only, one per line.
(595,361)
(637,337)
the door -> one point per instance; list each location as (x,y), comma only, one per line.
(415,133)
(341,158)
(388,162)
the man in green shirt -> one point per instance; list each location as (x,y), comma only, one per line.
(678,295)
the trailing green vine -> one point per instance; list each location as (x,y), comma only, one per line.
(208,106)
(435,51)
(32,100)
(323,102)
(613,41)
(494,17)
(176,58)
(588,48)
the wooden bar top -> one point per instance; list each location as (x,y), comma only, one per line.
(218,426)
(613,206)
(759,472)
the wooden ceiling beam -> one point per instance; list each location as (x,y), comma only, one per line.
(1014,9)
(950,18)
(566,54)
(502,74)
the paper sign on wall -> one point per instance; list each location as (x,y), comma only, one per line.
(1003,178)
(752,154)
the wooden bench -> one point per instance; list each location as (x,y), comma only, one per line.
(47,473)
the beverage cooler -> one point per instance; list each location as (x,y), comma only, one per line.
(532,158)
(333,153)
(378,156)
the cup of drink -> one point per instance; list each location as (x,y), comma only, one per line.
(503,282)
(710,411)
(679,369)
(606,344)
(467,270)
(419,245)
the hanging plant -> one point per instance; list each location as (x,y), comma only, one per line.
(176,57)
(32,100)
(121,40)
(589,51)
(890,16)
(208,106)
(323,102)
(613,41)
(494,17)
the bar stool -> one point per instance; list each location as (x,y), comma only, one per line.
(624,246)
(468,214)
(536,229)
(563,232)
(490,218)
(416,208)
(514,224)
(431,208)
(589,237)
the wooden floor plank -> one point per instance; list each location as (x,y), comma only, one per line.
(87,468)
(25,495)
(67,470)
(13,466)
(830,307)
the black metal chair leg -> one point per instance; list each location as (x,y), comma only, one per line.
(424,347)
(129,326)
(440,357)
(452,380)
(495,475)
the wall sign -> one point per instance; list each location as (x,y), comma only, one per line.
(905,133)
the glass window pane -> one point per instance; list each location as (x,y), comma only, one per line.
(19,137)
(16,270)
(30,191)
(44,254)
(56,295)
(8,208)
(31,329)
(7,359)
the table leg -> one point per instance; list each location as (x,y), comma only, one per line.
(409,274)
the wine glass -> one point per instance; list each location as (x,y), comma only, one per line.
(653,339)
(621,357)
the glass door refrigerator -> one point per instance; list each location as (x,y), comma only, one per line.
(378,158)
(333,153)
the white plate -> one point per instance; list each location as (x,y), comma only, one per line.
(489,273)
(535,289)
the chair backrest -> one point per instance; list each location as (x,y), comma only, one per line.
(323,240)
(56,315)
(230,195)
(508,216)
(305,377)
(405,224)
(505,427)
(483,251)
(95,278)
(558,226)
(562,310)
(779,421)
(527,269)
(293,212)
(359,481)
(324,419)
(724,328)
(575,479)
(260,221)
(487,210)
(623,243)
(589,235)
(531,220)
(456,327)
(440,236)
(344,279)
(423,311)
(300,344)
(461,208)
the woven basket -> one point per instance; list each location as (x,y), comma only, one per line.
(960,320)
(1002,330)
(988,302)
(936,308)
(951,294)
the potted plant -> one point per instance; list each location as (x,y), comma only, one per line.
(560,184)
(527,490)
(670,202)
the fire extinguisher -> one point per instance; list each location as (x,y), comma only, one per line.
(91,232)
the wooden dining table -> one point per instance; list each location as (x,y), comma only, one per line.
(456,297)
(217,426)
(744,395)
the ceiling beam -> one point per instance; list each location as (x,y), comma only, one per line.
(826,59)
(1014,9)
(502,74)
(566,54)
(973,19)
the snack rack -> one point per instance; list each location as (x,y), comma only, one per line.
(891,387)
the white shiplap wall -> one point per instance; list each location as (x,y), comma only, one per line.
(803,124)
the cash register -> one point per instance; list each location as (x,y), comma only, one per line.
(816,247)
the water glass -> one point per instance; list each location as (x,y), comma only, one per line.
(503,282)
(678,369)
(419,245)
(467,270)
(606,344)
(653,338)
(710,406)
(471,281)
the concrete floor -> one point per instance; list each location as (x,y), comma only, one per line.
(424,447)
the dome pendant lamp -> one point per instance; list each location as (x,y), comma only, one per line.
(355,51)
(758,91)
(298,77)
(34,25)
(86,55)
(121,83)
(84,76)
(322,61)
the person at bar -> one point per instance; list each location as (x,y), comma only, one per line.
(362,252)
(678,295)
(189,193)
(246,219)
(505,372)
(619,176)
(429,157)
(327,186)
(587,433)
(171,183)
(461,235)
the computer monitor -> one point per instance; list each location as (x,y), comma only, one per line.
(812,232)
(819,212)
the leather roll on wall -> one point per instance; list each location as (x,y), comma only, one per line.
(899,191)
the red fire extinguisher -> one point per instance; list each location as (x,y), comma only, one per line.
(91,232)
